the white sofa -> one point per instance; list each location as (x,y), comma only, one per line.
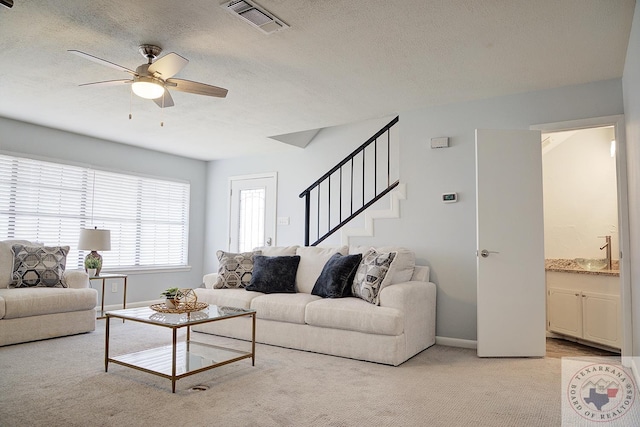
(402,325)
(35,313)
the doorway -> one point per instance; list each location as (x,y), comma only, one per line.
(585,234)
(252,211)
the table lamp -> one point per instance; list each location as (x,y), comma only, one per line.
(94,240)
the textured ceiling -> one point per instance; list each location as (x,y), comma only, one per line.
(341,61)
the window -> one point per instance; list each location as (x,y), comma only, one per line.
(50,202)
(251,222)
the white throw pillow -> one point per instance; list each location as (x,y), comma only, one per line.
(312,261)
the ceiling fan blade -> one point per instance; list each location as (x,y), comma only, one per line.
(101,61)
(165,100)
(197,88)
(168,66)
(108,83)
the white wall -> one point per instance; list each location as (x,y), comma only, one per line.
(296,170)
(442,235)
(631,88)
(580,196)
(49,144)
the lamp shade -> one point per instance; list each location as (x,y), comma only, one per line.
(94,240)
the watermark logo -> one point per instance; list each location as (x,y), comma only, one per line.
(599,392)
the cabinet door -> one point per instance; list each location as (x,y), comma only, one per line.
(601,319)
(564,310)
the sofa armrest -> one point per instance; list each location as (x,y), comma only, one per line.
(209,280)
(417,301)
(76,279)
(404,296)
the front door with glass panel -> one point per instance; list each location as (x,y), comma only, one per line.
(252,216)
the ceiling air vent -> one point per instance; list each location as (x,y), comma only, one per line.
(255,15)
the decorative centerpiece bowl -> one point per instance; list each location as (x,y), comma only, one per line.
(180,301)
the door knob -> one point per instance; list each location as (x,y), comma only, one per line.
(269,241)
(485,253)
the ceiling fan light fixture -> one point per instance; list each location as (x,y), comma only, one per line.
(148,88)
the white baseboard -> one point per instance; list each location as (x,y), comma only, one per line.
(456,342)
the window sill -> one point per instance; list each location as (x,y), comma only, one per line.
(147,270)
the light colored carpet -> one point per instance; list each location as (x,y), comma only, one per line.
(61,382)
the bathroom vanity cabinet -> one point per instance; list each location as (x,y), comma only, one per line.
(585,306)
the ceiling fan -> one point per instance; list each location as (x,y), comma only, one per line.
(154,79)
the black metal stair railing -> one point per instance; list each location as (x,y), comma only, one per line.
(358,181)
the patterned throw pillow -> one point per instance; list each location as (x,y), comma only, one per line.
(235,269)
(38,266)
(371,272)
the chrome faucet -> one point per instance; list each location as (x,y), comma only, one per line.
(608,246)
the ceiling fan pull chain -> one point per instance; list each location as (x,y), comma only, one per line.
(130,102)
(162,110)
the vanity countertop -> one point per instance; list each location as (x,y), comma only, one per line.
(570,266)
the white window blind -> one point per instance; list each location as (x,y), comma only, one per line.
(50,202)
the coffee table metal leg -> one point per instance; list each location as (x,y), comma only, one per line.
(106,345)
(173,360)
(124,295)
(102,300)
(253,341)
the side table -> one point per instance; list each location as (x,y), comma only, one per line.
(104,278)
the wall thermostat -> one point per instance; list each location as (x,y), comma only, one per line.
(449,197)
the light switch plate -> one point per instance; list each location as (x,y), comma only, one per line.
(283,220)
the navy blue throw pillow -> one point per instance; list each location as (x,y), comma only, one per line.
(337,276)
(274,274)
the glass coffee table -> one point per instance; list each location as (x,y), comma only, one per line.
(180,359)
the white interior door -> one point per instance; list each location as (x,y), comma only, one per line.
(252,213)
(510,244)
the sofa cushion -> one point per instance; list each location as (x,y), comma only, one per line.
(312,261)
(355,314)
(282,307)
(337,276)
(38,266)
(370,275)
(277,250)
(2,307)
(77,279)
(274,274)
(235,269)
(239,297)
(401,269)
(26,302)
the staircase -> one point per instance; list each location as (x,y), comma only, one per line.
(399,193)
(351,187)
